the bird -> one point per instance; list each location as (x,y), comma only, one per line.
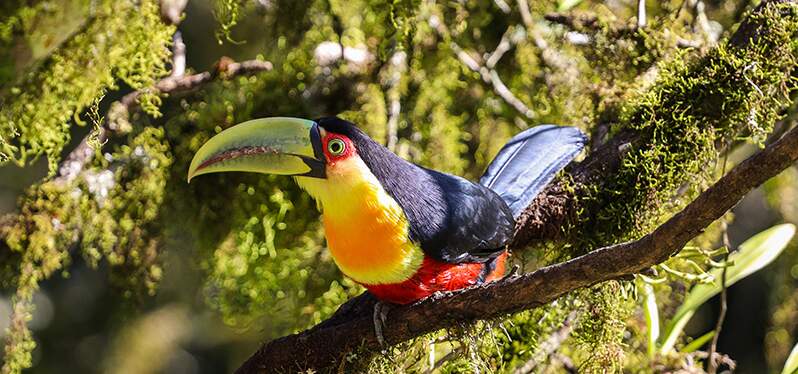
(402,231)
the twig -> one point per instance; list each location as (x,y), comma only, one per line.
(396,68)
(641,13)
(566,362)
(172,11)
(321,346)
(120,111)
(487,72)
(550,345)
(713,347)
(504,93)
(510,37)
(503,6)
(701,21)
(526,16)
(713,364)
(723,359)
(178,56)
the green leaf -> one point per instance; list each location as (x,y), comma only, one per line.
(754,254)
(791,365)
(652,319)
(698,343)
(566,5)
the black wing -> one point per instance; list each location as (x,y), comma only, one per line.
(476,226)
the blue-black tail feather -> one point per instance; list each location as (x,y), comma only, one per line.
(529,161)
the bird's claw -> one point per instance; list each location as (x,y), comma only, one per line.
(380,316)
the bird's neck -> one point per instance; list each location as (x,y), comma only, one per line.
(366,229)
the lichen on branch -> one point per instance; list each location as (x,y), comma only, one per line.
(123,41)
(694,109)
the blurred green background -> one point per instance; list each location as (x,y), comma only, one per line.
(179,278)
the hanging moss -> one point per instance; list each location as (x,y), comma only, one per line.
(125,40)
(113,211)
(228,13)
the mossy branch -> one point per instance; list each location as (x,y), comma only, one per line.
(669,134)
(761,39)
(118,115)
(77,160)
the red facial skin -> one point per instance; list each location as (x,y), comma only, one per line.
(331,158)
(433,276)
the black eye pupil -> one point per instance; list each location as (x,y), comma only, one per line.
(336,146)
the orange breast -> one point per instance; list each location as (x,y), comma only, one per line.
(366,229)
(370,247)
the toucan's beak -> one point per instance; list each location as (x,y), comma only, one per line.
(278,145)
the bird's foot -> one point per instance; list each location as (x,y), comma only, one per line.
(381,310)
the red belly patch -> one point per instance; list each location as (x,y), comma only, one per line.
(434,276)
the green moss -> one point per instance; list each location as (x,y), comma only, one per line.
(258,239)
(726,94)
(125,40)
(228,13)
(31,30)
(112,211)
(598,337)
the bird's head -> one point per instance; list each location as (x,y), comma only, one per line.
(324,155)
(277,145)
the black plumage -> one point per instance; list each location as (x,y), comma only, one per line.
(452,219)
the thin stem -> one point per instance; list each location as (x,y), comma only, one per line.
(713,364)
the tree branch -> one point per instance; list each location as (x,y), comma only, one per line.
(487,70)
(74,163)
(556,205)
(226,68)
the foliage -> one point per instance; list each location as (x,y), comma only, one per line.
(113,211)
(714,99)
(400,70)
(752,255)
(123,40)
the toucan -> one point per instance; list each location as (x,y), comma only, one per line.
(401,230)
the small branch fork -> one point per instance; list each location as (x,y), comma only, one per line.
(120,111)
(487,69)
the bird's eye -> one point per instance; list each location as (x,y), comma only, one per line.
(336,147)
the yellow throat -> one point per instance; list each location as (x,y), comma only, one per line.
(366,229)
